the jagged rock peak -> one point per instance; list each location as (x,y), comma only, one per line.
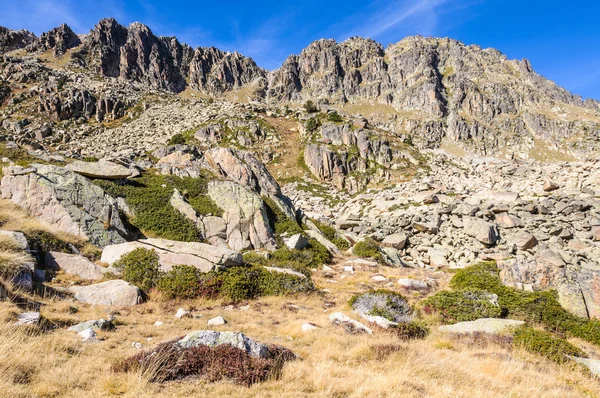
(60,39)
(15,39)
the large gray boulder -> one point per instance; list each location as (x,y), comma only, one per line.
(245,215)
(74,264)
(102,170)
(245,169)
(65,200)
(200,255)
(112,293)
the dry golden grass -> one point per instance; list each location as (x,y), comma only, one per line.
(334,364)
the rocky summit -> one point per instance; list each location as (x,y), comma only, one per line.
(384,220)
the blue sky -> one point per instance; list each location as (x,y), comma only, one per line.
(561,39)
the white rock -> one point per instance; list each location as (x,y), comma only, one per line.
(339,318)
(219,320)
(158,323)
(137,345)
(182,312)
(483,325)
(308,327)
(88,335)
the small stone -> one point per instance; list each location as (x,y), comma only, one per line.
(88,336)
(379,278)
(550,186)
(158,323)
(413,284)
(397,241)
(28,318)
(349,268)
(308,327)
(182,312)
(219,320)
(137,345)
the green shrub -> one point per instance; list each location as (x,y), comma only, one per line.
(312,125)
(462,306)
(334,117)
(331,234)
(149,198)
(43,241)
(279,221)
(310,107)
(537,307)
(369,248)
(140,267)
(177,139)
(187,282)
(243,283)
(312,256)
(546,344)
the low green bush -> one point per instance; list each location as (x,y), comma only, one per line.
(140,267)
(243,283)
(462,305)
(187,282)
(310,107)
(331,234)
(177,139)
(545,344)
(534,307)
(312,256)
(369,248)
(312,125)
(334,117)
(280,222)
(149,197)
(43,241)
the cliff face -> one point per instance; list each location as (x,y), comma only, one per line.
(440,88)
(434,89)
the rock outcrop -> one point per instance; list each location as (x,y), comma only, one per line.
(14,39)
(245,215)
(59,40)
(171,253)
(65,200)
(116,293)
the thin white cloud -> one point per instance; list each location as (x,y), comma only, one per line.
(39,15)
(416,16)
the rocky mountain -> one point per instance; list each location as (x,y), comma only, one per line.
(437,91)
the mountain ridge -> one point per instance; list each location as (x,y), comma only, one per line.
(434,88)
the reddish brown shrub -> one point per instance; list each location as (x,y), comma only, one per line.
(169,361)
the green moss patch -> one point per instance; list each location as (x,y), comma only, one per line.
(149,198)
(369,248)
(537,308)
(545,344)
(462,305)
